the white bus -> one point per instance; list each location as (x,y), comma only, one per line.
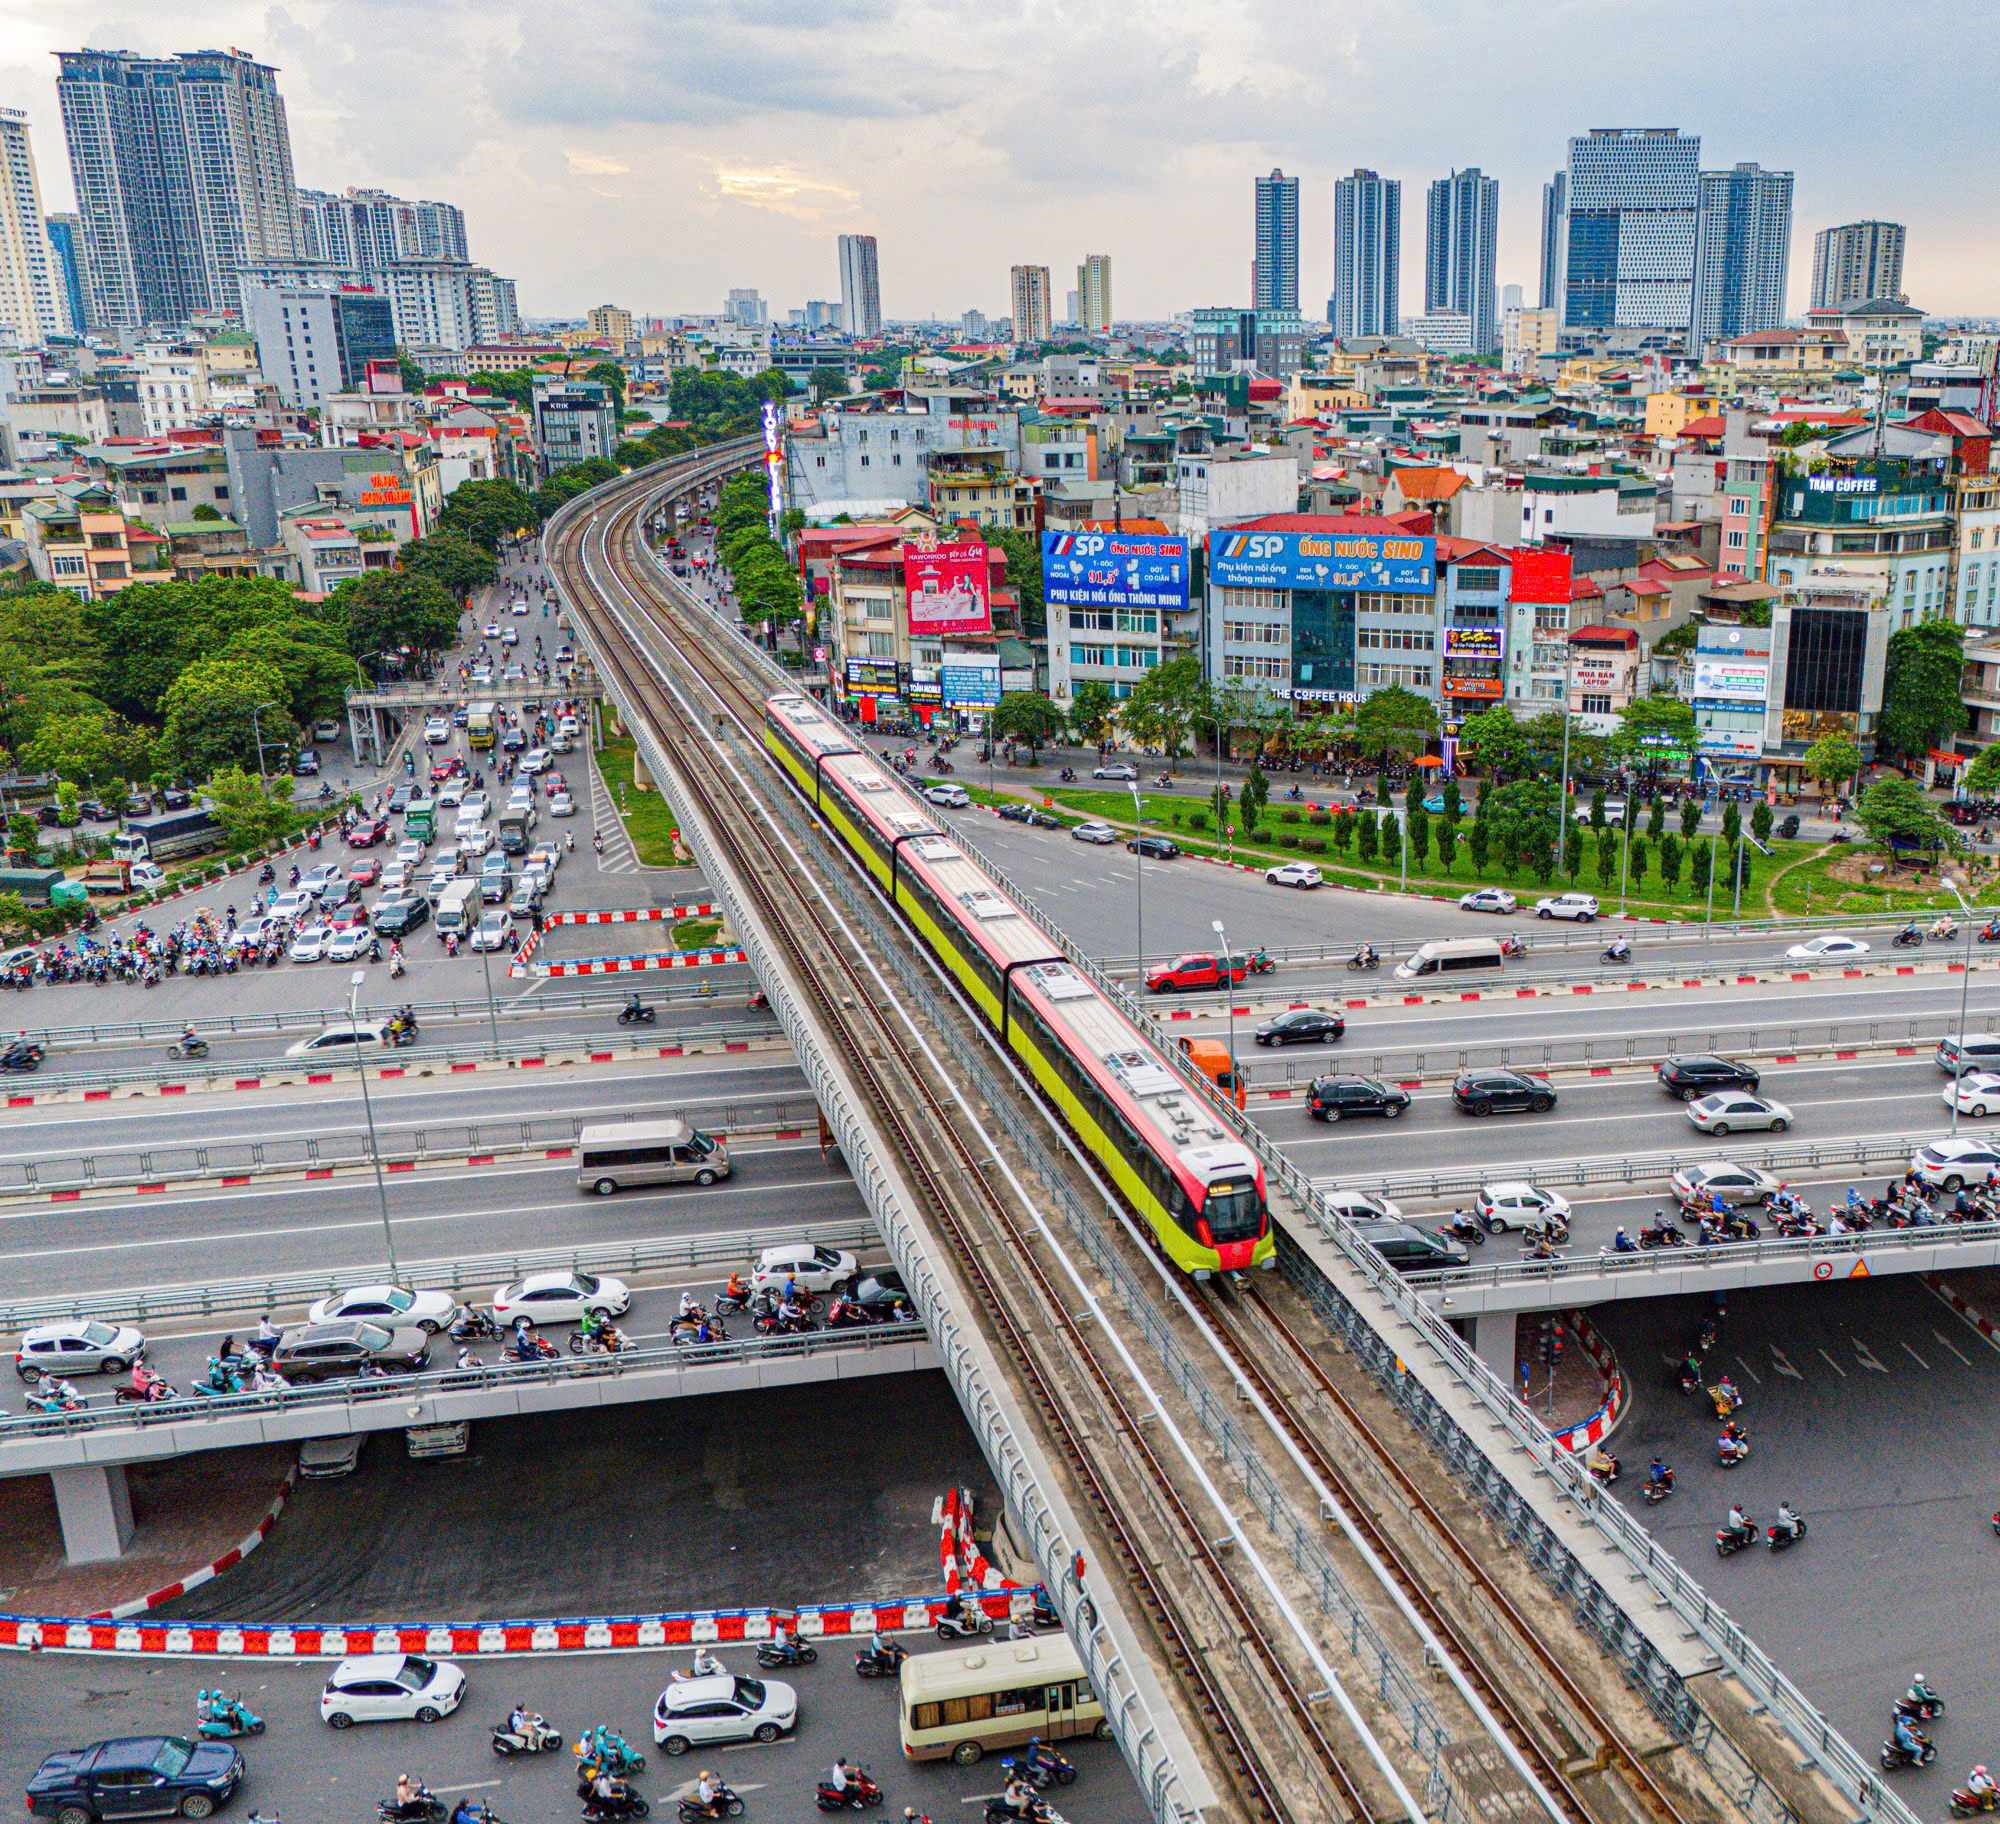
(995,1693)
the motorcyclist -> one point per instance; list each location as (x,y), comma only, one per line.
(690,1308)
(1980,1784)
(265,1342)
(466,1811)
(190,1039)
(143,1381)
(634,1006)
(518,1724)
(1622,1243)
(1788,1521)
(1725,1390)
(1039,1759)
(1601,1464)
(1739,1521)
(1658,1473)
(735,1288)
(705,1664)
(840,1775)
(1618,950)
(1909,1738)
(1728,1447)
(708,1794)
(1019,1797)
(1367,956)
(1920,1691)
(886,1649)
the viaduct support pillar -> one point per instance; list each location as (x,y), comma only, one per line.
(95,1506)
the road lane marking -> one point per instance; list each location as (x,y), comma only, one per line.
(1783,1363)
(1867,1357)
(1941,1337)
(1915,1357)
(1750,1371)
(1835,1366)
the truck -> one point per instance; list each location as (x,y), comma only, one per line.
(514,832)
(36,886)
(169,834)
(107,877)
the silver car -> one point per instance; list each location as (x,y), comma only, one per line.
(1736,1111)
(85,1347)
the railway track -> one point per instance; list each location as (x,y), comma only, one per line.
(1031,1318)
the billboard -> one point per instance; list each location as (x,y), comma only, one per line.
(973,684)
(1728,678)
(1480,689)
(872,677)
(1391,562)
(1540,576)
(1473,643)
(947,588)
(1732,743)
(1115,570)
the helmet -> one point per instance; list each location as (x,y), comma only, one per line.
(1917,1679)
(1979,1770)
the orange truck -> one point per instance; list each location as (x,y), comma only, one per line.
(1211,1058)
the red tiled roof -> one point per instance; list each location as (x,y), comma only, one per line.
(1412,522)
(1702,427)
(1646,585)
(1156,528)
(1603,636)
(1584,589)
(1453,550)
(1428,484)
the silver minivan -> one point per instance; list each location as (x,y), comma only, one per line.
(1451,956)
(625,1153)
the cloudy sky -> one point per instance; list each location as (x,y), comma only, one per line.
(655,154)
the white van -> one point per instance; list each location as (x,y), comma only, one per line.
(1451,956)
(458,909)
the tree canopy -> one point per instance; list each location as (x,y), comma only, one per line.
(389,609)
(1921,704)
(1833,759)
(1166,704)
(1395,721)
(486,512)
(1897,808)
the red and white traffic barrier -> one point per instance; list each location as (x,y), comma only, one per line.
(172,1592)
(625,965)
(632,916)
(959,1554)
(1970,1312)
(1599,1426)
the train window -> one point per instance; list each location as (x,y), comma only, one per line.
(1233,1210)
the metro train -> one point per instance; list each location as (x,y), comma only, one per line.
(1194,1184)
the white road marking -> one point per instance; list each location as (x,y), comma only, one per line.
(1835,1366)
(1915,1357)
(1750,1371)
(470,1786)
(1867,1357)
(1783,1363)
(1942,1338)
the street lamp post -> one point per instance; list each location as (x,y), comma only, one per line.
(1229,978)
(1964,991)
(492,1010)
(1138,876)
(368,1114)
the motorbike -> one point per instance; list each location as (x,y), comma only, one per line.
(1042,1769)
(1729,1539)
(1989,933)
(728,1303)
(1462,1227)
(188,1048)
(1603,1467)
(1894,1755)
(402,1033)
(424,1808)
(536,1738)
(1908,938)
(266,874)
(776,1323)
(967,1624)
(1725,1401)
(395,968)
(606,1751)
(156,1389)
(685,1330)
(727,1805)
(223,1719)
(474,1326)
(1966,1803)
(843,1314)
(527,1347)
(23,1055)
(1740,1448)
(1364,960)
(52,1397)
(637,1016)
(870,1664)
(1067,775)
(770,1655)
(1656,1492)
(1663,1235)
(1258,962)
(1779,1538)
(603,1811)
(1513,946)
(858,1794)
(1616,953)
(1920,1709)
(998,1811)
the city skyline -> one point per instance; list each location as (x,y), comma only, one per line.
(665,174)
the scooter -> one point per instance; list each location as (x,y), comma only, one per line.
(606,1751)
(1907,940)
(858,1794)
(188,1048)
(1364,960)
(223,1719)
(793,1653)
(536,1738)
(637,1016)
(1462,1227)
(157,1389)
(887,1664)
(605,1811)
(1656,1492)
(1779,1538)
(727,1805)
(1042,1769)
(1729,1540)
(1919,1709)
(1966,1803)
(1663,1235)
(424,1808)
(967,1624)
(1725,1402)
(474,1326)
(1894,1755)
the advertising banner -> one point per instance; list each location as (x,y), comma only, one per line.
(1540,576)
(947,585)
(1727,679)
(1115,570)
(1391,562)
(1732,743)
(970,686)
(1473,643)
(1482,689)
(872,677)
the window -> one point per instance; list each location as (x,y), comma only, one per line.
(1247,665)
(1596,706)
(1736,540)
(1255,633)
(1739,507)
(1480,578)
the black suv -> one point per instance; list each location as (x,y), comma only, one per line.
(1339,1098)
(399,917)
(136,1776)
(1301,1026)
(1499,1092)
(1154,848)
(1692,1078)
(318,1352)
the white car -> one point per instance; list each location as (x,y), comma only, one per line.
(570,726)
(1830,947)
(562,805)
(410,851)
(1294,874)
(1951,1164)
(437,731)
(77,1347)
(545,855)
(395,881)
(536,760)
(474,805)
(1737,1111)
(1977,1092)
(349,945)
(391,1688)
(288,906)
(442,875)
(952,797)
(453,795)
(1700,1185)
(474,842)
(491,630)
(491,931)
(1580,906)
(1094,832)
(1362,1206)
(1489,899)
(816,1269)
(341,1041)
(310,944)
(391,1305)
(560,743)
(560,1298)
(693,1712)
(510,636)
(1516,1204)
(1116,769)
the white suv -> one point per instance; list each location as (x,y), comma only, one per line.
(723,1709)
(1580,906)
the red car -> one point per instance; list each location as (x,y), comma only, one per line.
(365,873)
(1199,969)
(555,783)
(441,770)
(366,834)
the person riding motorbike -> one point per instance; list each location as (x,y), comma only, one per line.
(1980,1784)
(1367,956)
(1658,1473)
(735,1289)
(840,1775)
(1619,950)
(143,1381)
(1728,1447)
(708,1794)
(1738,1522)
(1622,1243)
(1726,1394)
(1920,1692)
(1601,1464)
(886,1649)
(1909,1738)
(1788,1521)
(705,1664)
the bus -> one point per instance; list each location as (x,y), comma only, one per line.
(669,1151)
(480,722)
(995,1694)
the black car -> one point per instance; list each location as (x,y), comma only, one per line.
(1302,1026)
(135,1776)
(175,799)
(307,763)
(49,816)
(1014,813)
(1041,820)
(1501,1092)
(1694,1077)
(318,1352)
(881,1292)
(1154,848)
(399,799)
(1341,1098)
(97,810)
(399,917)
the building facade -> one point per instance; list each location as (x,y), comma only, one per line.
(1093,293)
(314,343)
(608,323)
(1459,240)
(183,173)
(1856,262)
(1550,291)
(1632,200)
(1276,284)
(1028,290)
(371,230)
(66,243)
(1743,250)
(34,291)
(860,286)
(575,421)
(1367,256)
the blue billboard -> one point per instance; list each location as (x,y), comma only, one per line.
(1115,570)
(1390,561)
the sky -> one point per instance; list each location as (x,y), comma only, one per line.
(655,155)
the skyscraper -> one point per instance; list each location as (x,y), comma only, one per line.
(1743,250)
(1632,196)
(1093,292)
(1552,242)
(1463,215)
(1856,264)
(370,230)
(34,301)
(860,286)
(183,172)
(1029,294)
(66,242)
(1368,256)
(1277,267)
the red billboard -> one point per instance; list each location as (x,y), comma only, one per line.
(947,588)
(1540,576)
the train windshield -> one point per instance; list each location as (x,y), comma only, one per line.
(1234,1210)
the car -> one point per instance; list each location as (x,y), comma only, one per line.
(560,1298)
(510,636)
(443,873)
(1734,1184)
(310,944)
(560,743)
(320,876)
(548,854)
(395,881)
(475,842)
(96,810)
(460,716)
(437,731)
(538,874)
(1039,819)
(367,832)
(348,944)
(536,760)
(526,899)
(952,797)
(391,1688)
(474,805)
(495,889)
(399,798)
(365,873)
(1976,1051)
(78,1346)
(513,741)
(135,1776)
(323,1459)
(1343,1098)
(453,795)
(1580,906)
(324,1352)
(1153,848)
(817,1269)
(1295,874)
(441,770)
(1702,1073)
(1954,1163)
(1361,1206)
(1094,832)
(410,851)
(1732,1111)
(1115,769)
(1830,946)
(1302,1026)
(566,655)
(491,630)
(725,1708)
(306,764)
(387,1304)
(335,894)
(562,805)
(491,931)
(882,1290)
(1198,969)
(1976,1093)
(513,674)
(517,606)
(327,728)
(399,917)
(1489,899)
(1491,1092)
(288,906)
(1513,1203)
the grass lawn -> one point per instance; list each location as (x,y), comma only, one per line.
(696,933)
(648,821)
(1813,885)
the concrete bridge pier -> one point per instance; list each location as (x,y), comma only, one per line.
(94,1503)
(1491,1335)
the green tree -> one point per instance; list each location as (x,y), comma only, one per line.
(1669,717)
(1346,828)
(1256,796)
(1454,801)
(1447,841)
(69,803)
(1921,703)
(828,383)
(1741,875)
(487,512)
(610,376)
(1982,777)
(206,513)
(1091,711)
(1656,819)
(1761,821)
(1897,808)
(1368,835)
(1833,760)
(22,833)
(1418,827)
(90,748)
(1395,722)
(1701,858)
(1607,857)
(453,559)
(1670,860)
(208,721)
(1690,818)
(1023,715)
(1479,841)
(1165,704)
(1732,824)
(1540,852)
(1382,795)
(389,609)
(1494,742)
(251,814)
(1598,816)
(1572,855)
(1640,856)
(414,379)
(1024,575)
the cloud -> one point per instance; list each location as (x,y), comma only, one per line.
(594,164)
(783,191)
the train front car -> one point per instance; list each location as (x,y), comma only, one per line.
(1231,1219)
